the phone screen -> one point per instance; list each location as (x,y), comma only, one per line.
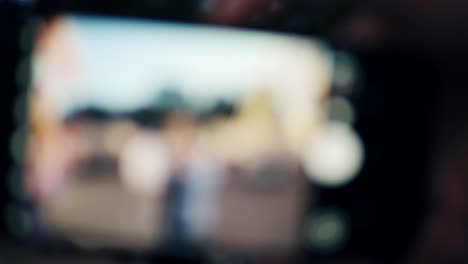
(143,134)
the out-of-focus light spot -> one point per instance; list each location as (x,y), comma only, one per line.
(344,72)
(336,157)
(327,231)
(18,144)
(341,110)
(144,164)
(20,108)
(15,184)
(22,73)
(17,221)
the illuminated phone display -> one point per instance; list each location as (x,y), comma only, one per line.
(146,133)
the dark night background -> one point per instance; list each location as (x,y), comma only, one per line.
(411,109)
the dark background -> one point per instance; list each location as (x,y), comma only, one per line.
(411,105)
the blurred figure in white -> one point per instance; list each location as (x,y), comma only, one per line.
(195,182)
(204,178)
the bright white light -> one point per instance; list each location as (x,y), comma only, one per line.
(144,164)
(336,157)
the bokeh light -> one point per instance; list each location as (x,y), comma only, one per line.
(20,108)
(17,144)
(15,184)
(23,72)
(345,71)
(336,157)
(341,110)
(327,230)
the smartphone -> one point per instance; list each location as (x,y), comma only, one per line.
(147,134)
